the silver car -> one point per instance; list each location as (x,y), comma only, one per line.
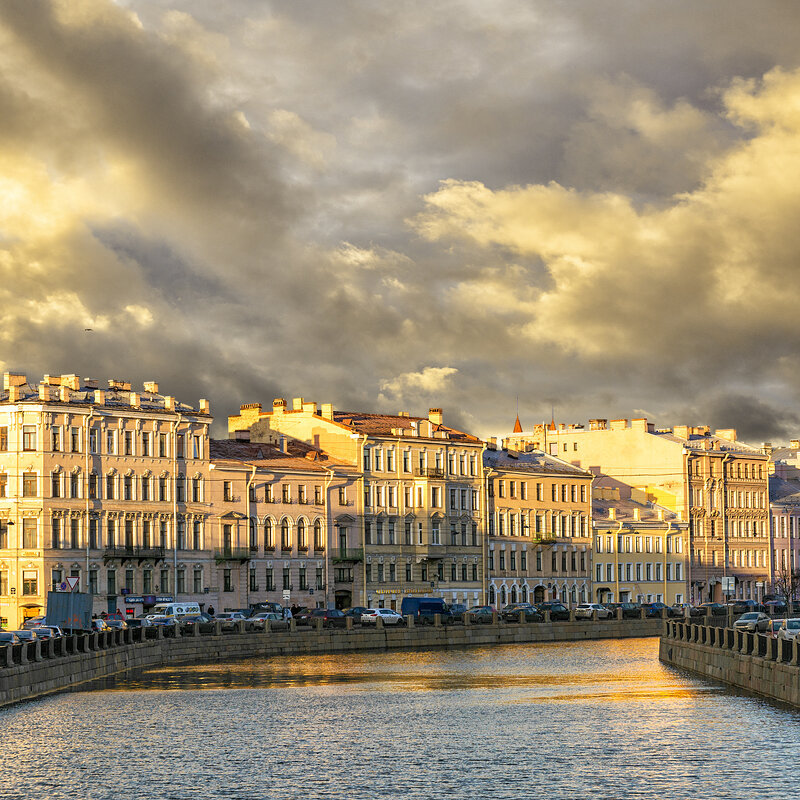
(752,621)
(788,629)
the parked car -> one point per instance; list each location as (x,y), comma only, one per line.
(680,609)
(717,609)
(98,625)
(743,606)
(32,622)
(457,611)
(48,631)
(425,609)
(355,613)
(481,614)
(276,620)
(775,607)
(27,635)
(510,613)
(9,637)
(752,621)
(116,624)
(160,619)
(302,616)
(655,609)
(138,622)
(558,611)
(331,617)
(786,628)
(264,608)
(585,611)
(388,616)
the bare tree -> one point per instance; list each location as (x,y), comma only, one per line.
(787,582)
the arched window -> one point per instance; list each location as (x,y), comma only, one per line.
(253,536)
(513,594)
(503,595)
(491,595)
(286,535)
(318,543)
(524,594)
(302,538)
(269,535)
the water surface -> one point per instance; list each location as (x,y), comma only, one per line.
(600,719)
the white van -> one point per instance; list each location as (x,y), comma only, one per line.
(173,609)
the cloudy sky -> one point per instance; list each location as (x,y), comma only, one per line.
(592,206)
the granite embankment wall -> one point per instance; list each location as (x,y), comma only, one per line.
(751,661)
(34,669)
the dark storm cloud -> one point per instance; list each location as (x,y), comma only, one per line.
(231,196)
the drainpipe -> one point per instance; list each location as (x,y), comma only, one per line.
(487,473)
(86,487)
(616,534)
(362,438)
(249,521)
(177,422)
(329,535)
(666,547)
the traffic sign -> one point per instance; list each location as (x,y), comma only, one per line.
(287,595)
(73,581)
(62,586)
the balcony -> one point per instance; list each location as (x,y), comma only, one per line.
(231,554)
(347,554)
(429,472)
(139,553)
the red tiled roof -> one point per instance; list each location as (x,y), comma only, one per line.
(300,456)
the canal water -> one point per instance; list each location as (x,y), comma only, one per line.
(597,719)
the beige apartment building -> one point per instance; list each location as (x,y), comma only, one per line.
(418,511)
(283,528)
(714,482)
(641,550)
(539,527)
(108,485)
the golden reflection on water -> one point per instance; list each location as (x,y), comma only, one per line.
(534,673)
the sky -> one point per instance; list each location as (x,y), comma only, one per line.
(581,209)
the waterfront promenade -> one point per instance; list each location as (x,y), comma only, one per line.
(34,669)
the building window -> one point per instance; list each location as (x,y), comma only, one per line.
(55,533)
(320,577)
(286,536)
(163,448)
(302,537)
(287,583)
(111,581)
(74,534)
(252,578)
(29,484)
(4,438)
(29,537)
(302,579)
(197,535)
(28,437)
(30,582)
(93,589)
(93,533)
(162,490)
(227,581)
(319,543)
(165,581)
(181,582)
(269,577)
(269,535)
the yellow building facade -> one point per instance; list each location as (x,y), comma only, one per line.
(539,525)
(107,485)
(716,483)
(419,510)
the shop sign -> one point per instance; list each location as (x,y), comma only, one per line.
(164,598)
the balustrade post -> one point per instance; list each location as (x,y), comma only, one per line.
(348,623)
(547,616)
(292,625)
(572,615)
(795,652)
(619,614)
(467,619)
(37,650)
(318,623)
(6,656)
(379,622)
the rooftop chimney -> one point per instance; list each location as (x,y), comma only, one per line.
(13,379)
(637,514)
(13,394)
(681,431)
(205,407)
(297,404)
(133,399)
(278,405)
(151,386)
(327,410)
(169,402)
(729,434)
(72,381)
(99,397)
(612,513)
(598,424)
(619,424)
(794,444)
(44,392)
(436,416)
(64,394)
